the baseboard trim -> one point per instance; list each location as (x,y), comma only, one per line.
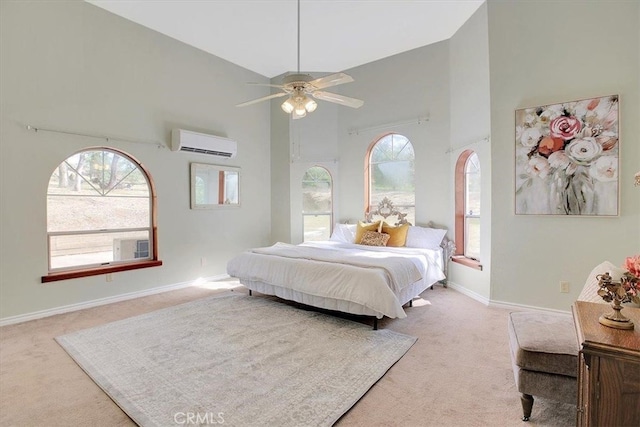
(471,294)
(523,307)
(108,300)
(501,304)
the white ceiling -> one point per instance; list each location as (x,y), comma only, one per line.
(335,35)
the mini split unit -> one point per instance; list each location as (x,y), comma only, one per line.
(201,143)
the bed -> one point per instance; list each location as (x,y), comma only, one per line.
(342,275)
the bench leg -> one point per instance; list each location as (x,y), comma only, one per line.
(527,405)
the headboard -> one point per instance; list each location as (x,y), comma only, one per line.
(386,209)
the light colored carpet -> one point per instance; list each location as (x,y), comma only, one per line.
(237,360)
(457,374)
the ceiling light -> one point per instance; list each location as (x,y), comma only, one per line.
(300,111)
(310,105)
(287,106)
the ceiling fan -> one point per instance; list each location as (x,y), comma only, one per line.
(299,86)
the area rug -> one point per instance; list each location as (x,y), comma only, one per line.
(235,360)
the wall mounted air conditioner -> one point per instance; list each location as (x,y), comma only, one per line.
(194,142)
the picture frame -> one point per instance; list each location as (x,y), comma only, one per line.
(567,158)
(214,186)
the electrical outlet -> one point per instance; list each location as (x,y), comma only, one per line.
(564,287)
(108,277)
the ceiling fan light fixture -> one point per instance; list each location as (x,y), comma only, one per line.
(287,106)
(296,87)
(299,112)
(310,105)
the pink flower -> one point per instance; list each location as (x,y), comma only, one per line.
(632,264)
(565,127)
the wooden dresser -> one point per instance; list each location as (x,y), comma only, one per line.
(608,368)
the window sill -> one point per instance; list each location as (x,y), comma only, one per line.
(75,274)
(460,259)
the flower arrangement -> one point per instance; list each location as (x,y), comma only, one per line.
(567,158)
(622,284)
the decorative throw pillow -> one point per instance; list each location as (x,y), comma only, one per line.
(373,238)
(364,227)
(424,237)
(397,235)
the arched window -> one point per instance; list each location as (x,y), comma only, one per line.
(100,215)
(390,173)
(467,223)
(317,212)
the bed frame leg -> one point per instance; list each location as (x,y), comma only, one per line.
(375,323)
(250,292)
(411,302)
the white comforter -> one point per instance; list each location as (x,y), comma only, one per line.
(369,276)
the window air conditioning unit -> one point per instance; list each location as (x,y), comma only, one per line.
(194,142)
(126,249)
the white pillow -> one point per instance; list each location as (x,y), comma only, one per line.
(590,290)
(423,237)
(344,233)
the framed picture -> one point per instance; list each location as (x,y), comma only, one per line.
(567,158)
(214,186)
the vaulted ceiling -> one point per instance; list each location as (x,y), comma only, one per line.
(335,35)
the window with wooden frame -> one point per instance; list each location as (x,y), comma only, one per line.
(390,172)
(467,209)
(100,215)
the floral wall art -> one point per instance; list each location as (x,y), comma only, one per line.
(567,158)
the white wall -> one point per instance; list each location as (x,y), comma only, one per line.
(280,173)
(403,87)
(313,142)
(396,89)
(541,53)
(73,66)
(470,130)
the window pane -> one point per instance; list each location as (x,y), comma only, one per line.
(84,213)
(100,193)
(472,207)
(391,148)
(392,174)
(317,227)
(98,248)
(472,237)
(102,172)
(472,183)
(316,191)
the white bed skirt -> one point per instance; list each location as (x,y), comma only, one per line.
(406,295)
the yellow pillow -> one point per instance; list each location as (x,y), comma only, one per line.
(364,227)
(397,235)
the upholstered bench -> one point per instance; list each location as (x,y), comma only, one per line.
(544,356)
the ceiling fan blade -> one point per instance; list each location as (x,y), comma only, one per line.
(264,98)
(338,99)
(265,84)
(331,80)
